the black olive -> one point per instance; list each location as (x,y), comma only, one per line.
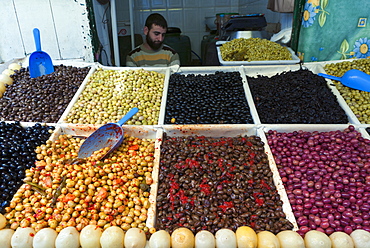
(207,99)
(295,97)
(17,154)
(41,99)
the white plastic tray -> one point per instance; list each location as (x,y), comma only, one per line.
(271,70)
(164,70)
(294,60)
(234,131)
(142,132)
(212,70)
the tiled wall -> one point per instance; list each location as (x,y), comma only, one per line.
(63,25)
(189,15)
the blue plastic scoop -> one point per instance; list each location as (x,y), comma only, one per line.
(355,79)
(39,62)
(109,135)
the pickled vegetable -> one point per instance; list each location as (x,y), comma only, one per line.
(182,238)
(246,237)
(112,237)
(135,238)
(90,236)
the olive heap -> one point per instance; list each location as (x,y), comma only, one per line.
(17,153)
(212,183)
(41,99)
(327,178)
(64,191)
(110,94)
(217,98)
(295,97)
(253,49)
(357,100)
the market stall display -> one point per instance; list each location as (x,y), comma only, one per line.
(83,212)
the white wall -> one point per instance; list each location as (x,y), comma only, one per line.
(63,25)
(189,15)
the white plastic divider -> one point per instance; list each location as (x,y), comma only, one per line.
(248,95)
(269,71)
(287,208)
(162,111)
(31,124)
(362,129)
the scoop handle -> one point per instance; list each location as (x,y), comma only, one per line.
(330,77)
(128,116)
(36,36)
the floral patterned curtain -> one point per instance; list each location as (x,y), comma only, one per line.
(334,30)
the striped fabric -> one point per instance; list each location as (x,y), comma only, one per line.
(141,57)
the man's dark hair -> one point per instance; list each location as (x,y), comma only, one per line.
(156,19)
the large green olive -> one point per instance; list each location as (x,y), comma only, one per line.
(110,94)
(357,100)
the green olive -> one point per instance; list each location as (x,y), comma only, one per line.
(253,49)
(357,100)
(110,94)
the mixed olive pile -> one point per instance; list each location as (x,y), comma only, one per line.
(64,191)
(41,99)
(212,183)
(211,191)
(17,153)
(295,97)
(253,49)
(217,98)
(357,100)
(110,94)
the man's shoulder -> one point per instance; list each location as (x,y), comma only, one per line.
(136,50)
(168,48)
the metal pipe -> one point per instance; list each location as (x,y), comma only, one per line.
(132,25)
(114,32)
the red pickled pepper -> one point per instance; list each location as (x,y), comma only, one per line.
(134,147)
(263,184)
(204,187)
(258,201)
(226,206)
